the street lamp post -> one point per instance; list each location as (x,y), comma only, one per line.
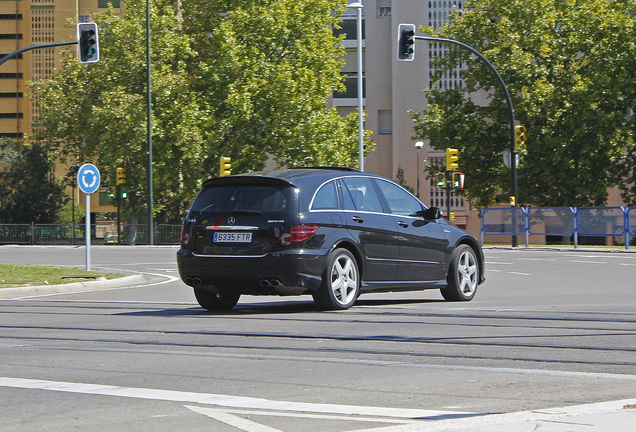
(418,146)
(358,7)
(151,233)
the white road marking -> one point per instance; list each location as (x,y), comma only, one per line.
(226,416)
(587,262)
(232,420)
(522,420)
(226,400)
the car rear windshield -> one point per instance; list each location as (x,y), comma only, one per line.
(246,198)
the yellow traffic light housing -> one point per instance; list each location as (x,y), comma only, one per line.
(121,176)
(225,168)
(451,159)
(440,179)
(520,139)
(513,201)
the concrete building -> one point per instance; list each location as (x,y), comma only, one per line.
(31,22)
(393,88)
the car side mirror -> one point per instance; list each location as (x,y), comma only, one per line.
(432,213)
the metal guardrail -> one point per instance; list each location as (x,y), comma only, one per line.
(560,221)
(106,233)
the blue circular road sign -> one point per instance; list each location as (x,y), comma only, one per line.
(88,178)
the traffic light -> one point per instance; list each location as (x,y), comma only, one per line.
(121,176)
(451,159)
(520,139)
(440,179)
(406,42)
(513,201)
(124,192)
(456,180)
(111,192)
(225,168)
(88,42)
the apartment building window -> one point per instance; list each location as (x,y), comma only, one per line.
(18,135)
(11,115)
(384,8)
(10,16)
(351,87)
(438,13)
(385,121)
(11,75)
(10,95)
(104,3)
(11,36)
(349,27)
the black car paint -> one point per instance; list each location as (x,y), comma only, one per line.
(386,246)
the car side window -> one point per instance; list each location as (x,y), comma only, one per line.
(360,195)
(400,201)
(326,198)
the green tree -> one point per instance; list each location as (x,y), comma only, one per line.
(245,79)
(29,192)
(569,66)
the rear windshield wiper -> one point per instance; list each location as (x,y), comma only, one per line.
(241,211)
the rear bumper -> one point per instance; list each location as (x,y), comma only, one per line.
(287,272)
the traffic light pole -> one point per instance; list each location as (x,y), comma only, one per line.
(118,214)
(448,194)
(511,112)
(32,47)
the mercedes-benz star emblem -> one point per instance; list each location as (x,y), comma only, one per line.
(231,220)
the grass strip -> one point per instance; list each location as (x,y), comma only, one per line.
(25,275)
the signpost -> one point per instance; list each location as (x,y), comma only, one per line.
(88,180)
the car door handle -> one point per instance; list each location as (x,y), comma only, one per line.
(357,219)
(402,224)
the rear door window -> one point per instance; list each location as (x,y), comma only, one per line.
(360,195)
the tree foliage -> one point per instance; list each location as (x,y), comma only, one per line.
(28,190)
(245,79)
(569,67)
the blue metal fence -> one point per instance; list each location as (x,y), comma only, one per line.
(560,221)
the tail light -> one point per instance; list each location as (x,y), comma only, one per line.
(186,237)
(298,234)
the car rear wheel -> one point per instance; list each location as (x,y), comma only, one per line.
(215,302)
(340,282)
(463,275)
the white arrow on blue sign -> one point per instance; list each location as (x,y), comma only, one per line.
(88,178)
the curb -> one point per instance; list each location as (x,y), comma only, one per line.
(19,292)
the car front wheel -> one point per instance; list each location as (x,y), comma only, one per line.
(215,302)
(340,282)
(463,275)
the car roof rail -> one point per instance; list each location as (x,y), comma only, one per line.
(326,168)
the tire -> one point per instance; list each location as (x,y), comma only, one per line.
(216,302)
(463,275)
(340,282)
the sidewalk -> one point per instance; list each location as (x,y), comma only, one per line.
(614,416)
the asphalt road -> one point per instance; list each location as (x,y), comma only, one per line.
(548,329)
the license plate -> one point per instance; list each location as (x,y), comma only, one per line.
(232,237)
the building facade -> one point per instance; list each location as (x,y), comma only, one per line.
(392,88)
(24,23)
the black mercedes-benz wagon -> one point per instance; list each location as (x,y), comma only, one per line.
(329,232)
